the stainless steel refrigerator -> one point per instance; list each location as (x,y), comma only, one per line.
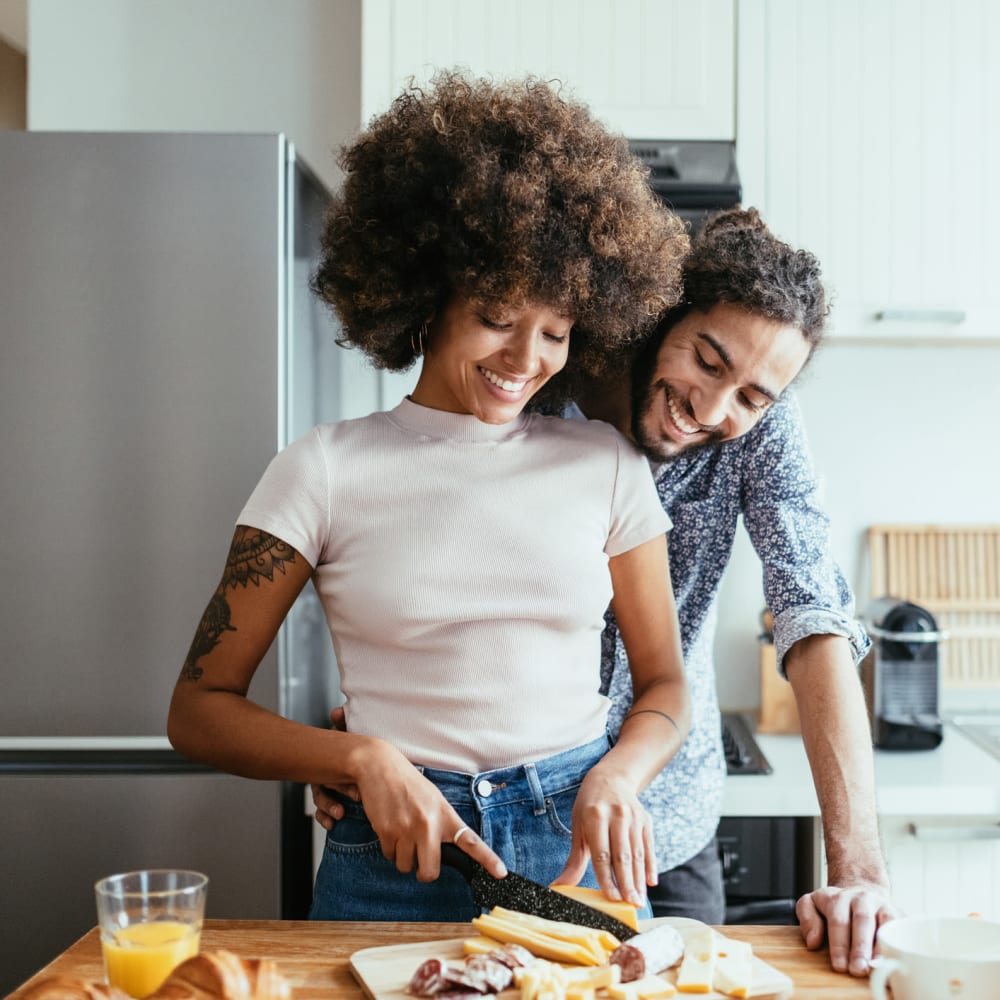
(159,343)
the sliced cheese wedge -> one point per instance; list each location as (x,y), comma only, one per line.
(697,970)
(539,944)
(480,945)
(647,988)
(625,912)
(598,978)
(733,967)
(600,942)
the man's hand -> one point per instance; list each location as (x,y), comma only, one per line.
(328,809)
(849,918)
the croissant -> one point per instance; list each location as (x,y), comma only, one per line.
(221,975)
(68,988)
(215,975)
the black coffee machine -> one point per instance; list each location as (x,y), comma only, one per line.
(901,676)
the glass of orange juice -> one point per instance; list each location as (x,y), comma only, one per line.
(150,922)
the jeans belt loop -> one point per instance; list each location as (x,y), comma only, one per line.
(537,795)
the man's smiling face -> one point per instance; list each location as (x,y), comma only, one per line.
(713,378)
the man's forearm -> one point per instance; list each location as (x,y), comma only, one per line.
(837,740)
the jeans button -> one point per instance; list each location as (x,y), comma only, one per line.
(484,788)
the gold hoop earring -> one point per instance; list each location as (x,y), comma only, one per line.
(418,345)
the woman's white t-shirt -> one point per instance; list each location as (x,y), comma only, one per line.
(463,570)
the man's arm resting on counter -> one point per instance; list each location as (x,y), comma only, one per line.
(837,739)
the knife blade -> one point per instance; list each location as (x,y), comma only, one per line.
(515,892)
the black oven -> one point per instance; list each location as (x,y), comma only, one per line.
(767,862)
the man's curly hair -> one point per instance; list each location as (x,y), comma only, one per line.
(735,258)
(505,193)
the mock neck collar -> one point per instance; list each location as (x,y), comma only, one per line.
(441,424)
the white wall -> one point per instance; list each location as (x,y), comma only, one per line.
(289,66)
(899,433)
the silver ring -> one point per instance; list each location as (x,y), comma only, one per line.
(458,834)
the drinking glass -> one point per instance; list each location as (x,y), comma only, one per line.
(150,922)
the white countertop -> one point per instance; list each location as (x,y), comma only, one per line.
(957,778)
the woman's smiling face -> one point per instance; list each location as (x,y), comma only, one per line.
(490,362)
(714,377)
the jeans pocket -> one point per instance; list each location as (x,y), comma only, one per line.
(559,809)
(353,834)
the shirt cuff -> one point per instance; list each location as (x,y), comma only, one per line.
(810,619)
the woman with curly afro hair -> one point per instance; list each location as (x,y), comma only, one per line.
(465,549)
(503,195)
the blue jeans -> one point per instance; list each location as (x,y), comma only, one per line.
(522,812)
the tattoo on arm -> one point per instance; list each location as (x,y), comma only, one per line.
(253,554)
(213,623)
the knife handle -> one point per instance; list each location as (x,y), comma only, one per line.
(455,857)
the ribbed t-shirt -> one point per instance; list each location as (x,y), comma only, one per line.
(463,571)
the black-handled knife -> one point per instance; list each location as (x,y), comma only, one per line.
(515,892)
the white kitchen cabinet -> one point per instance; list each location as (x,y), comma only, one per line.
(652,69)
(945,866)
(869,132)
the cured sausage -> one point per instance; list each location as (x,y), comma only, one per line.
(487,974)
(514,955)
(475,976)
(648,953)
(430,978)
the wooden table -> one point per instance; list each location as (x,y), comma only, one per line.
(313,955)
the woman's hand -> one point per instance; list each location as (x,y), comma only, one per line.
(610,825)
(411,817)
(612,830)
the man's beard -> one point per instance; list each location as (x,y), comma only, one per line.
(655,447)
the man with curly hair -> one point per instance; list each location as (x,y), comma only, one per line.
(504,237)
(708,404)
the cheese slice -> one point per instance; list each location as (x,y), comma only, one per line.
(598,978)
(600,942)
(480,945)
(733,967)
(620,910)
(697,971)
(647,988)
(539,944)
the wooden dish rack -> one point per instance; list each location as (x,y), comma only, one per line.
(954,572)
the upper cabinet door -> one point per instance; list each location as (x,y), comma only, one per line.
(868,131)
(651,69)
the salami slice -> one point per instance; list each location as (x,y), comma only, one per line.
(490,971)
(430,979)
(515,956)
(648,953)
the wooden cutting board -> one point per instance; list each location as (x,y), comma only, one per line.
(384,972)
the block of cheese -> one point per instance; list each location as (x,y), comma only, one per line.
(733,967)
(625,912)
(697,970)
